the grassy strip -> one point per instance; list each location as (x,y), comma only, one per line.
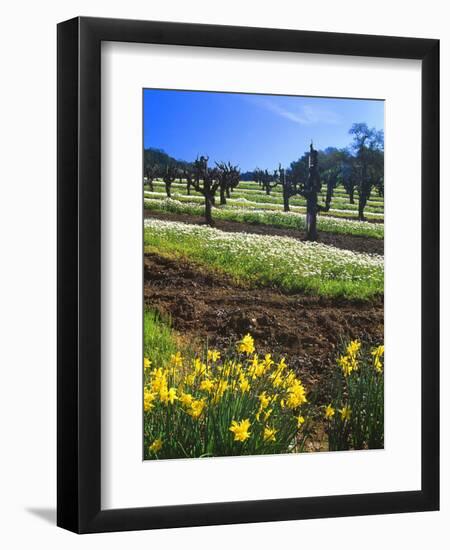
(240,202)
(289,220)
(289,264)
(339,201)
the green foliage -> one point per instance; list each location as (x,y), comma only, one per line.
(158,157)
(221,404)
(235,402)
(357,407)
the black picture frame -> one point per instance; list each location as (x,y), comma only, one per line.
(79,281)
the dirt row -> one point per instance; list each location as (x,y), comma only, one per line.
(308,330)
(347,242)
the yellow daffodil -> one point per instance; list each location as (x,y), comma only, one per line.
(147,363)
(277,375)
(353,347)
(168,395)
(348,364)
(256,367)
(345,412)
(158,379)
(378,364)
(246,345)
(197,408)
(207,385)
(172,395)
(377,353)
(240,429)
(269,434)
(282,365)
(199,367)
(268,361)
(149,397)
(329,412)
(244,384)
(277,381)
(176,360)
(156,445)
(230,369)
(289,379)
(264,400)
(300,421)
(296,395)
(186,399)
(213,355)
(222,386)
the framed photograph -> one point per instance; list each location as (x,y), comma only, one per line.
(248,292)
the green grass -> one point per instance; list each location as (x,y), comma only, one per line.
(252,187)
(283,220)
(264,202)
(159,341)
(374,208)
(260,260)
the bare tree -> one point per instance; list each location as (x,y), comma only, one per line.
(269,181)
(188,176)
(151,172)
(206,181)
(368,144)
(349,178)
(258,176)
(228,180)
(310,190)
(169,177)
(288,185)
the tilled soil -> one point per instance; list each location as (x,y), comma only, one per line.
(347,242)
(305,329)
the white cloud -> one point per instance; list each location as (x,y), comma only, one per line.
(306,115)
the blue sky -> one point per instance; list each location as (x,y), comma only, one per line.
(250,130)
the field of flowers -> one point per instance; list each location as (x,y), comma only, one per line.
(251,194)
(264,202)
(238,402)
(263,260)
(275,218)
